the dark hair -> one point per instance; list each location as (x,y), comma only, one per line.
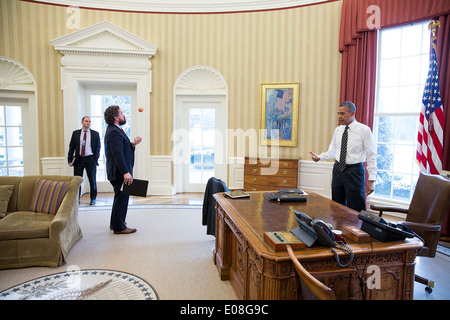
(82,119)
(110,113)
(349,105)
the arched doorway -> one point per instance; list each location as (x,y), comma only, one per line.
(200,124)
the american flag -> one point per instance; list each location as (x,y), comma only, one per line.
(431,135)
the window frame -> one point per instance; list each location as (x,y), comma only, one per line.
(377,198)
(30,127)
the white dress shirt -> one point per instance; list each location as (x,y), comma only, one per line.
(360,147)
(88,149)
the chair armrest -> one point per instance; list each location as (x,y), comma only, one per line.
(66,209)
(389,209)
(422,227)
(59,222)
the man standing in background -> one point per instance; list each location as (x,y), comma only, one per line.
(352,144)
(84,151)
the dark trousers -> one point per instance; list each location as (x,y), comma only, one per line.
(90,165)
(119,207)
(348,186)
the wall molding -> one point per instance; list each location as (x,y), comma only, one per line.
(316,176)
(313,176)
(236,172)
(54,166)
(192,6)
(200,79)
(102,54)
(105,42)
(15,76)
(160,182)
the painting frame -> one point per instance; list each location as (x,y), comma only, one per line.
(279,113)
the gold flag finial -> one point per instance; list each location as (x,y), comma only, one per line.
(433,25)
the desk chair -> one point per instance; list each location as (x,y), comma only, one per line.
(316,288)
(425,215)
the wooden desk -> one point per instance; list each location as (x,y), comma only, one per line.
(258,272)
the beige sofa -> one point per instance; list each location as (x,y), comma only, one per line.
(29,238)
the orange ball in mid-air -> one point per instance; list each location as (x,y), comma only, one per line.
(140,109)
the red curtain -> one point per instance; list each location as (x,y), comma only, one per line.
(443,57)
(358,75)
(358,45)
(358,15)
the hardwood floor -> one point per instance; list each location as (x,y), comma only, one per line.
(181,198)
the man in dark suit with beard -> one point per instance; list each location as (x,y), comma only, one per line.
(119,153)
(84,150)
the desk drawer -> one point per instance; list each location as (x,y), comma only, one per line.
(271,180)
(281,172)
(256,187)
(282,163)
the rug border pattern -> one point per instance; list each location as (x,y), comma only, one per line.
(147,291)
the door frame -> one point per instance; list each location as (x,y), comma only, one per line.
(202,83)
(181,139)
(109,89)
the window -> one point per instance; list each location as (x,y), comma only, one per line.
(11,142)
(98,104)
(201,144)
(403,59)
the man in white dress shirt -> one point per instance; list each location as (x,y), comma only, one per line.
(84,151)
(348,183)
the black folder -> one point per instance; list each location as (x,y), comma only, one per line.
(137,188)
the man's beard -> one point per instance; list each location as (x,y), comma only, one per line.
(122,122)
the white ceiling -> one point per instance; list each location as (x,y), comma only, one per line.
(184,6)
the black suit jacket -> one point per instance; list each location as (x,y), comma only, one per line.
(119,153)
(74,146)
(213,186)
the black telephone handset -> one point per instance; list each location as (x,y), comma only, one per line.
(324,233)
(309,231)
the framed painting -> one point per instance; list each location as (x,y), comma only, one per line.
(279,113)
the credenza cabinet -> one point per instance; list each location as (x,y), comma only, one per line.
(270,174)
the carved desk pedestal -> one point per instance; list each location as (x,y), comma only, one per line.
(258,272)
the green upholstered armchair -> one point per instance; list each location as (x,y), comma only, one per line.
(29,234)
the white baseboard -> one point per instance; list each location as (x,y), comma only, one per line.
(55,166)
(312,176)
(159,172)
(316,177)
(236,173)
(160,176)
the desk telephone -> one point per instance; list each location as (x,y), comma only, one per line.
(311,231)
(382,230)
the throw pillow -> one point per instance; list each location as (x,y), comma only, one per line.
(5,195)
(48,195)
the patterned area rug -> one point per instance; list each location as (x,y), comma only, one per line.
(90,284)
